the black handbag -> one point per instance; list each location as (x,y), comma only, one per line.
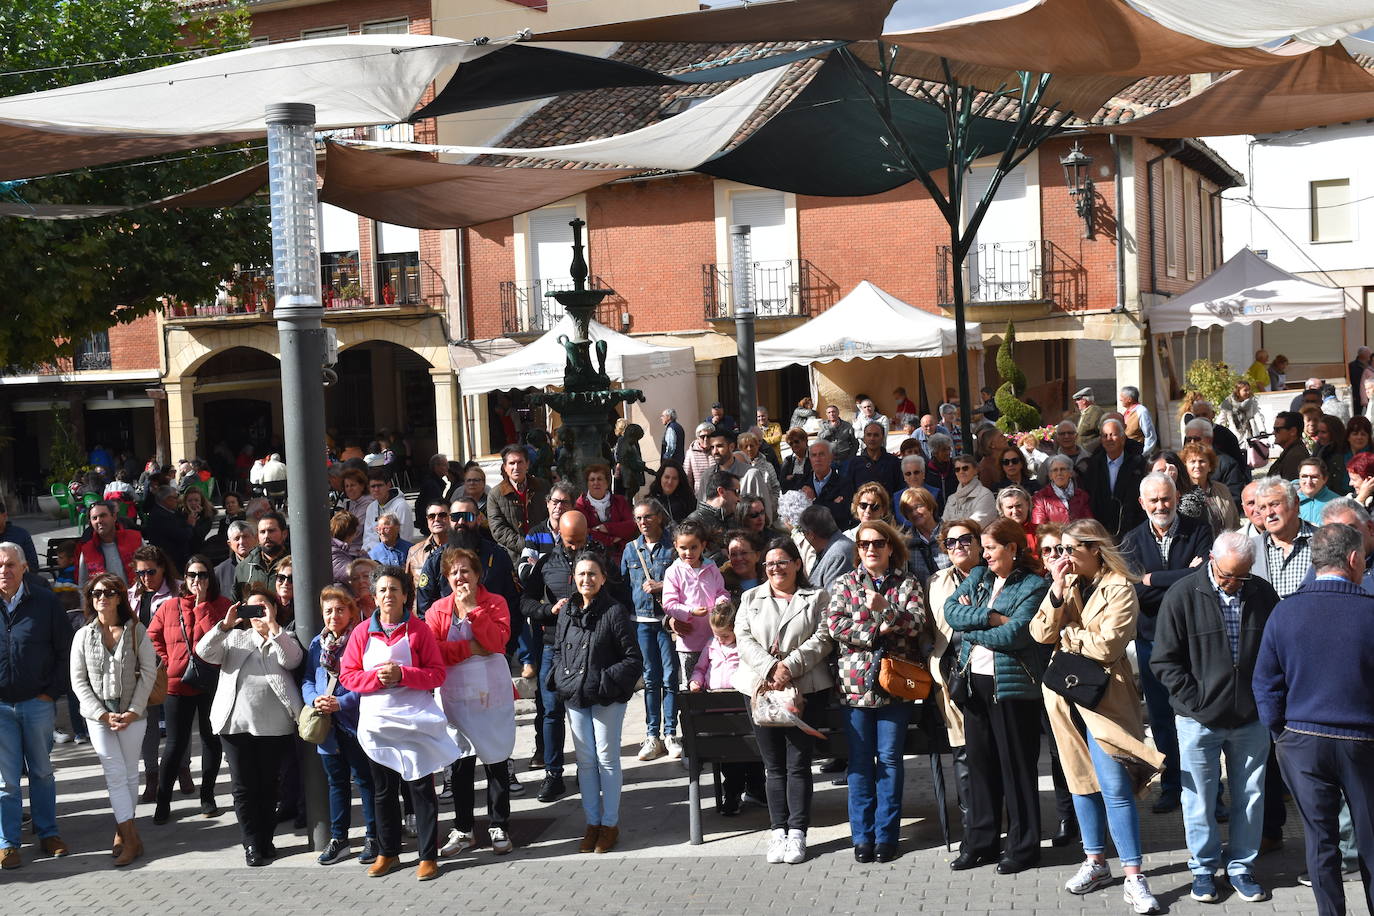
(1077,679)
(199,674)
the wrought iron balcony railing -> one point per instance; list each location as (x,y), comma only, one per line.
(1012,272)
(526,309)
(777,289)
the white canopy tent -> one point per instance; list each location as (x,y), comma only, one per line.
(869,323)
(1244,290)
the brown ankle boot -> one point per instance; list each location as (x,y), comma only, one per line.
(606,841)
(589,839)
(118,845)
(130,851)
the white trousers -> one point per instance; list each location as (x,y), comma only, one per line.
(119,753)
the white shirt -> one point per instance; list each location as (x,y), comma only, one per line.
(1114,468)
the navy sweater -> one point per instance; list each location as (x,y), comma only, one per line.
(1316,662)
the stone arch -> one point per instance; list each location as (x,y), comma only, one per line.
(188,350)
(425,337)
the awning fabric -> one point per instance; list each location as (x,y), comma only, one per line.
(541,364)
(829,141)
(358,80)
(1244,290)
(222,192)
(779,20)
(1322,86)
(869,323)
(681,142)
(1246,23)
(521,73)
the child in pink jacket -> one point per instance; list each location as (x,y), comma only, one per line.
(715,670)
(692,586)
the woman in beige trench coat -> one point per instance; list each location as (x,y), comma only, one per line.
(1091,611)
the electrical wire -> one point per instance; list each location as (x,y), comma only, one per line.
(1250,201)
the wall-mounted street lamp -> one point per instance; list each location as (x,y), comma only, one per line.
(1079,181)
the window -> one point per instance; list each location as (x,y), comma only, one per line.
(550,247)
(387,27)
(398,264)
(768,250)
(1333,219)
(1192,228)
(1003,265)
(1171,207)
(334,31)
(339,270)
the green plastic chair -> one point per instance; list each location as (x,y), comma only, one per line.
(206,488)
(64,501)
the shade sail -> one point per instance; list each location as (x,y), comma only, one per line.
(358,80)
(781,20)
(1246,23)
(1244,290)
(1323,86)
(829,140)
(869,323)
(541,363)
(521,73)
(436,195)
(222,192)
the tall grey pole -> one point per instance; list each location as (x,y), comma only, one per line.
(300,313)
(741,284)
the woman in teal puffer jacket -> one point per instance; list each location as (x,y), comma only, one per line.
(1001,666)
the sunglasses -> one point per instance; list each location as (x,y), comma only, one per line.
(101,593)
(284,580)
(870,507)
(465,516)
(873,544)
(1008,462)
(1058,550)
(192,575)
(145,573)
(963,540)
(961,468)
(434,515)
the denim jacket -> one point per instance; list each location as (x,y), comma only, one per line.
(648,608)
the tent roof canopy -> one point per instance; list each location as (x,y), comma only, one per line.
(541,363)
(869,323)
(1244,290)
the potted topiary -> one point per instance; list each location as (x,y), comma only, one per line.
(1017,415)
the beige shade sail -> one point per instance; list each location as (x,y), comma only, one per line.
(222,192)
(1324,86)
(779,20)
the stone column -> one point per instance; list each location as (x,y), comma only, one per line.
(447,419)
(182,426)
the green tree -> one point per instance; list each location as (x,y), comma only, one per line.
(1017,415)
(67,279)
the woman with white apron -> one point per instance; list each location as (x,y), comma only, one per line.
(394,664)
(472,626)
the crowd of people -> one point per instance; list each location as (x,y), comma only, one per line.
(1046,586)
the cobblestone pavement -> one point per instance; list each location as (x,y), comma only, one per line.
(194,865)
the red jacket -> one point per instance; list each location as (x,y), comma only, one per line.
(425,672)
(620,527)
(490,626)
(1047,507)
(89,553)
(165,632)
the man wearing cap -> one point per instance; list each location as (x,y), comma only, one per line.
(1089,418)
(720,420)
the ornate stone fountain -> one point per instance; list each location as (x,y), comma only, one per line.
(586,401)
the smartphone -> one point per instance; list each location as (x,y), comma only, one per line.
(251,611)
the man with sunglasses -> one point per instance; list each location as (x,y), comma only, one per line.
(1288,436)
(273,541)
(1207,671)
(386,500)
(875,463)
(437,523)
(540,541)
(498,574)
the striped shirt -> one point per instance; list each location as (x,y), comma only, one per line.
(1230,614)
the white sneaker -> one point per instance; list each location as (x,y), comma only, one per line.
(1137,893)
(457,842)
(1090,876)
(652,748)
(777,845)
(500,843)
(410,826)
(61,737)
(674,747)
(794,851)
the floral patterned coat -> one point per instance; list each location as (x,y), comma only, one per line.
(855,631)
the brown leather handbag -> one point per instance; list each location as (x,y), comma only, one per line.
(903,678)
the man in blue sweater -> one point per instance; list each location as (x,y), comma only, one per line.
(1315,663)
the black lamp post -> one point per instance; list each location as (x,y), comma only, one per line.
(1079,181)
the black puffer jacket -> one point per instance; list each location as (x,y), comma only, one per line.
(596,659)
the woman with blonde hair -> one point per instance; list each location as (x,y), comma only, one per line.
(1091,611)
(871,503)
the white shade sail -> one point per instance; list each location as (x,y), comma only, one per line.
(541,363)
(1244,290)
(866,324)
(1248,23)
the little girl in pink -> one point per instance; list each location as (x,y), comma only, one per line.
(692,586)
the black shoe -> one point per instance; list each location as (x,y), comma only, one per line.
(1167,801)
(835,765)
(268,849)
(1068,832)
(334,853)
(552,788)
(163,814)
(729,807)
(254,858)
(887,852)
(299,823)
(515,787)
(370,851)
(208,808)
(446,793)
(967,860)
(863,853)
(1012,867)
(537,761)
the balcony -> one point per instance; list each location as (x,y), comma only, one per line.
(91,354)
(346,285)
(1035,273)
(527,309)
(777,289)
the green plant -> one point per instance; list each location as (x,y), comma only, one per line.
(65,458)
(1214,381)
(350,291)
(1017,415)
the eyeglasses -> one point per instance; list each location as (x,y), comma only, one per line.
(1008,462)
(961,468)
(192,575)
(870,507)
(284,580)
(560,502)
(1058,550)
(101,593)
(1279,429)
(777,564)
(433,515)
(874,544)
(145,573)
(1228,577)
(963,540)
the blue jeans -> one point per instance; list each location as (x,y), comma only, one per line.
(1161,719)
(876,735)
(530,638)
(660,679)
(26,743)
(352,762)
(553,724)
(1247,752)
(1112,809)
(596,738)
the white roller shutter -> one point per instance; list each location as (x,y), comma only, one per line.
(1002,263)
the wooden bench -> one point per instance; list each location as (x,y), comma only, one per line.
(716,729)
